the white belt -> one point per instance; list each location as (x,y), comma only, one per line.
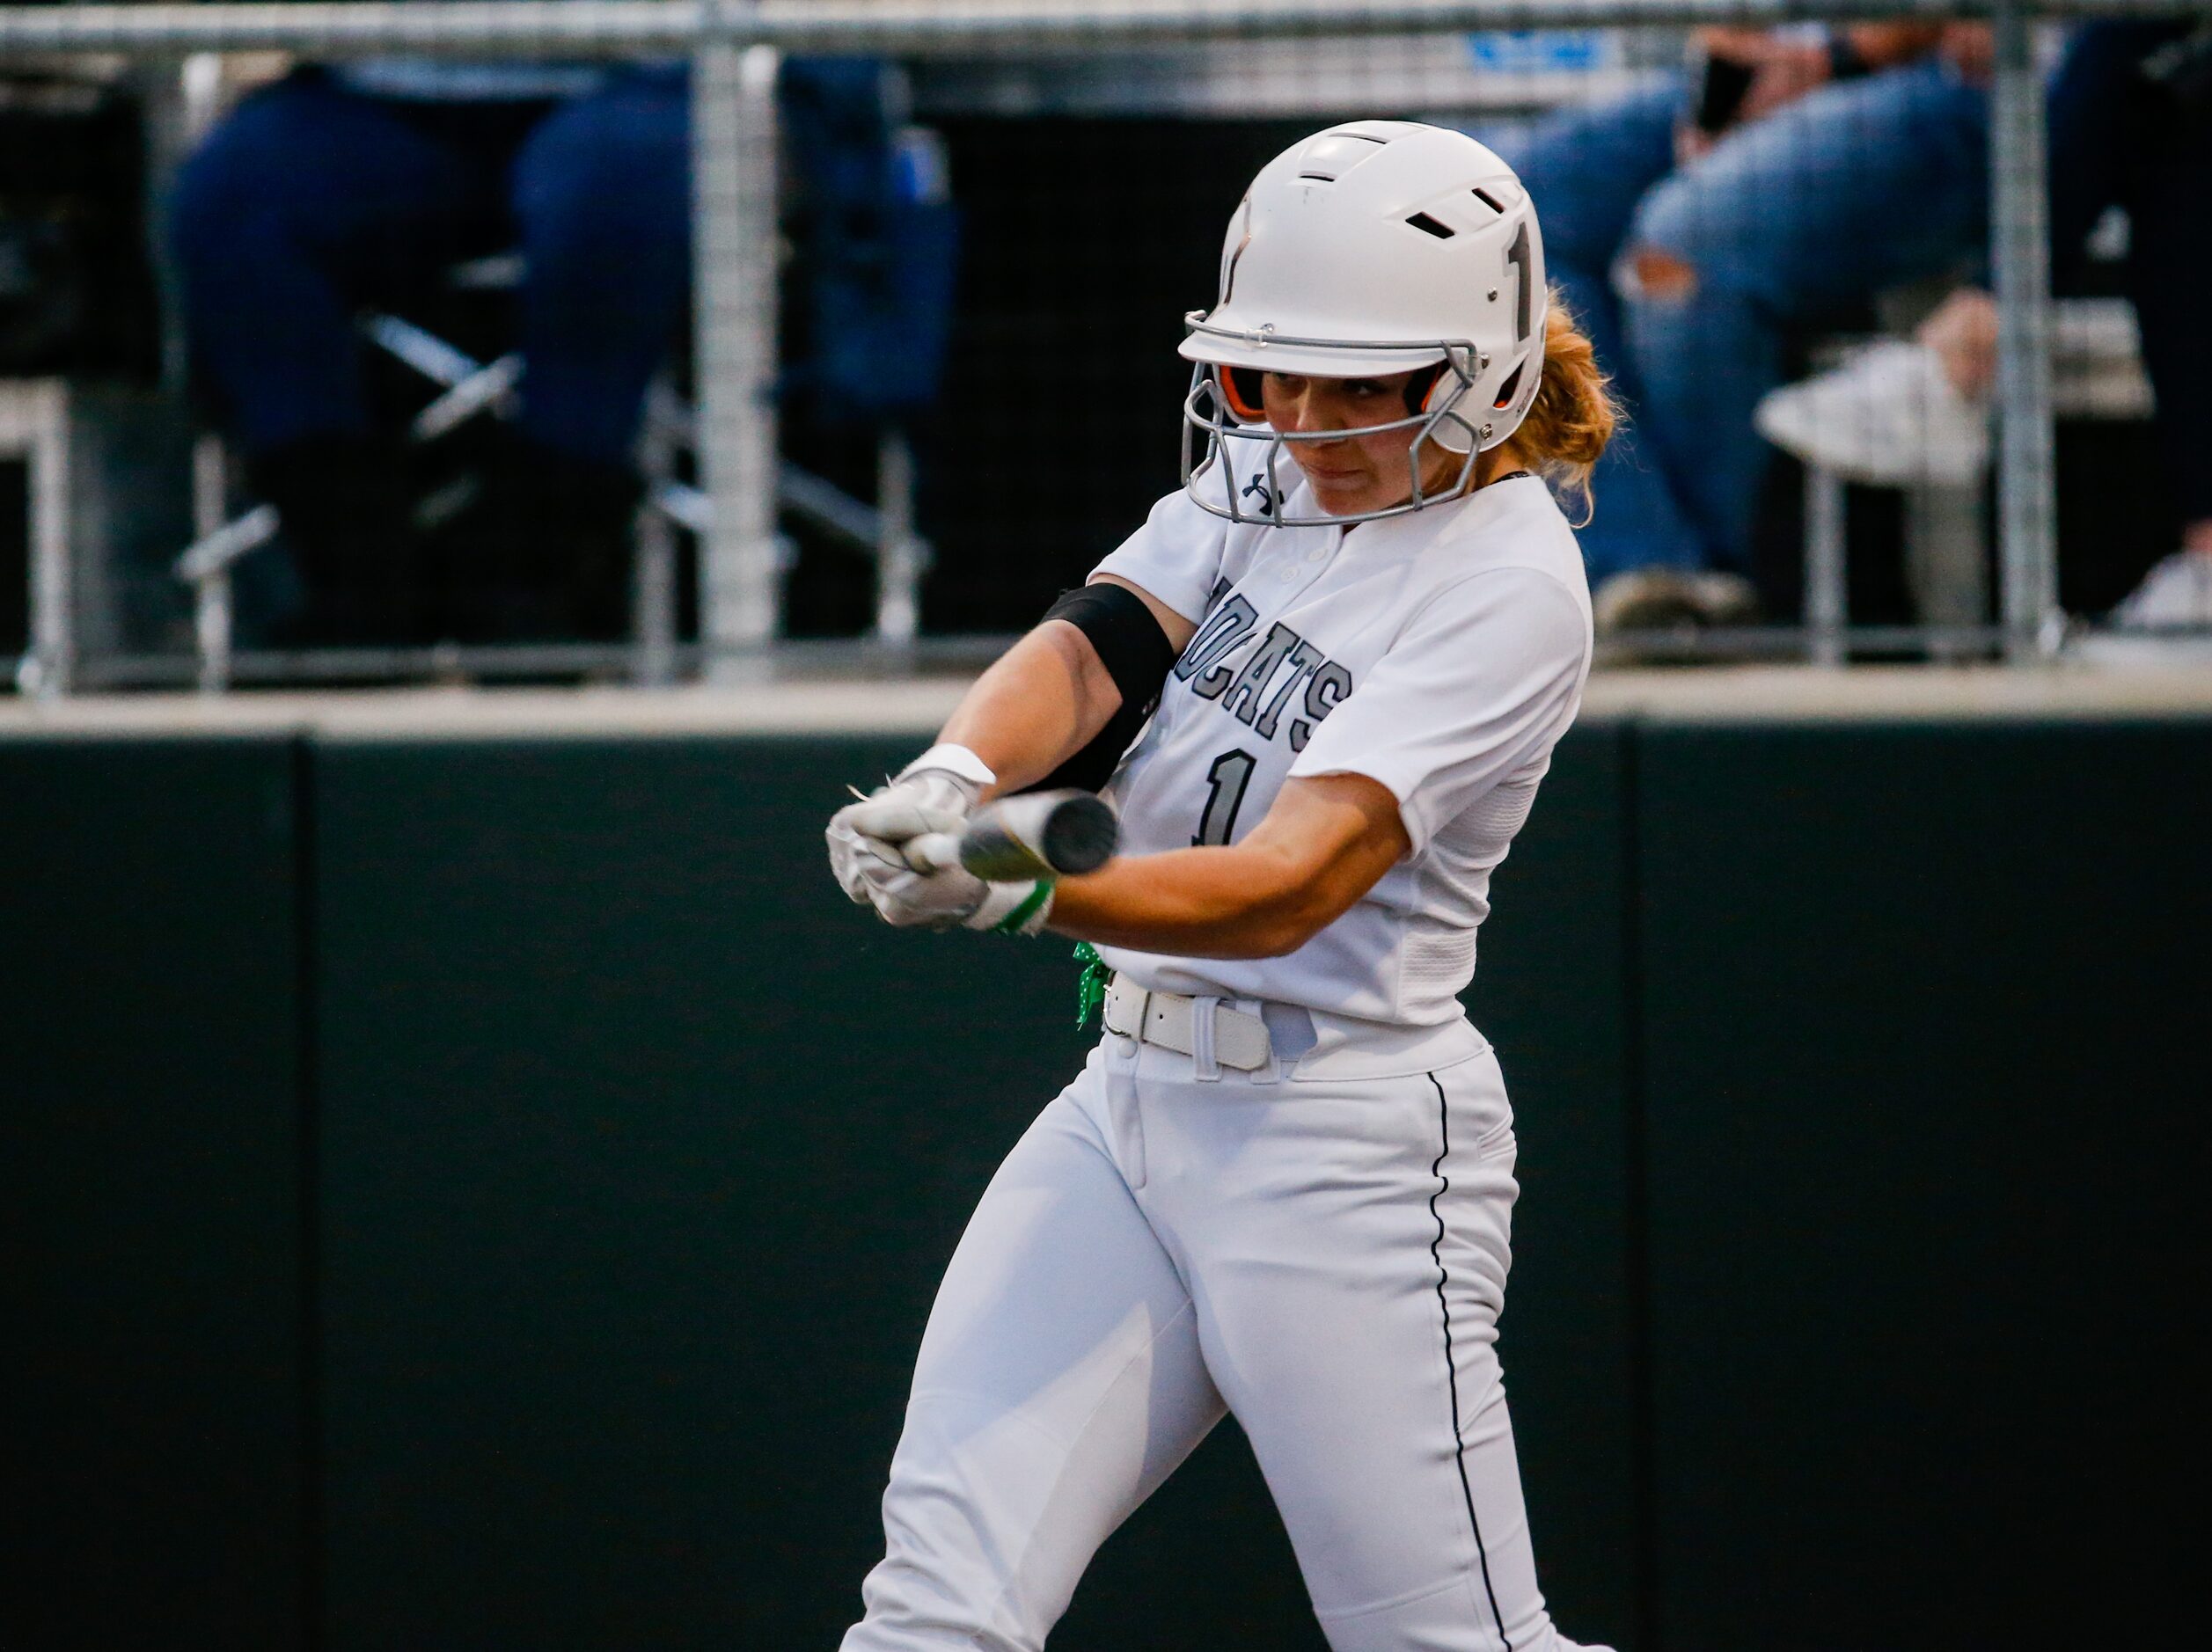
(1172,1021)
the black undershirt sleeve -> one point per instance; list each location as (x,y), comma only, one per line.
(1136,654)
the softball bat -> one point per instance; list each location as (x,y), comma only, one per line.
(1037,834)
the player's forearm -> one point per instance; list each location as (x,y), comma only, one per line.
(1323,845)
(1037,705)
(1246,902)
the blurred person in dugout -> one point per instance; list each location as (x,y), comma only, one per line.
(1786,176)
(2130,127)
(337,188)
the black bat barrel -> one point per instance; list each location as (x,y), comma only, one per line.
(1041,834)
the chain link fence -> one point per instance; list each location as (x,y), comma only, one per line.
(650,339)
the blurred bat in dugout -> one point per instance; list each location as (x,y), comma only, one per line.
(1037,834)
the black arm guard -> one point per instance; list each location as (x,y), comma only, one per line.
(1136,654)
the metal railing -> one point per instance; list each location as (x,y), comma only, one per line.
(736,47)
(567,28)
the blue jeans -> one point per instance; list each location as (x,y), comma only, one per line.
(313,200)
(1588,169)
(1858,187)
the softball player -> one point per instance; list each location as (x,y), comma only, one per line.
(1281,1185)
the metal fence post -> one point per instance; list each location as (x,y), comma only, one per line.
(900,555)
(211,613)
(735,248)
(34,422)
(2019,236)
(1827,573)
(653,586)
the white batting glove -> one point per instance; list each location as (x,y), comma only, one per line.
(935,793)
(953,897)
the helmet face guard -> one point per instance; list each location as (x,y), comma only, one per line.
(1218,410)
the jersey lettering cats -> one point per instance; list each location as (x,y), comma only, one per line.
(1208,659)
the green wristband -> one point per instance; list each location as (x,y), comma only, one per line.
(1012,923)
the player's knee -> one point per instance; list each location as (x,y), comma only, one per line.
(1653,274)
(1698,238)
(987,1534)
(623,171)
(246,190)
(913,1602)
(217,191)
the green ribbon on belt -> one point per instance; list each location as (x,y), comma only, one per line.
(1090,987)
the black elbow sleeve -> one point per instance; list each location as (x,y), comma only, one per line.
(1136,654)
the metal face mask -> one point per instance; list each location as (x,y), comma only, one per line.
(1233,463)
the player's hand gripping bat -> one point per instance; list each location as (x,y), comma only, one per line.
(1037,834)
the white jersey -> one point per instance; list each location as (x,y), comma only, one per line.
(1441,653)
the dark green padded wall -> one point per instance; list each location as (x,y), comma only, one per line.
(1926,1111)
(633,1158)
(152,1467)
(642,1152)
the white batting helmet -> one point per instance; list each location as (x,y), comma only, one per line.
(1372,248)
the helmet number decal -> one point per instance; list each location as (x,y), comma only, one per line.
(1229,264)
(1231,773)
(1524,304)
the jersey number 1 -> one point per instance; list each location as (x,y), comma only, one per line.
(1231,773)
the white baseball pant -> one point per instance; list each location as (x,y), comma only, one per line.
(1325,1259)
